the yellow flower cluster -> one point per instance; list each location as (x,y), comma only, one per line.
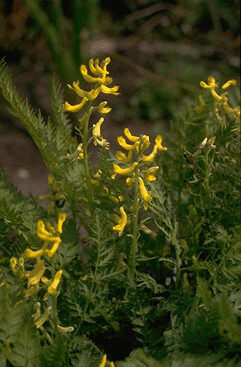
(100,79)
(51,237)
(222,99)
(136,169)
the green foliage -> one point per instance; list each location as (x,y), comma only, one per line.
(155,270)
(19,343)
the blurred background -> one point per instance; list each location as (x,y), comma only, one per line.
(160,51)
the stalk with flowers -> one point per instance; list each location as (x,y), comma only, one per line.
(139,250)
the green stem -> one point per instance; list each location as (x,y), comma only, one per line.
(135,228)
(87,302)
(177,251)
(85,140)
(55,314)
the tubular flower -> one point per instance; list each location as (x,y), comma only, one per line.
(216,95)
(122,221)
(149,173)
(30,254)
(103,109)
(91,95)
(143,143)
(144,193)
(98,139)
(61,220)
(211,83)
(211,86)
(65,329)
(122,142)
(131,137)
(124,171)
(158,142)
(13,264)
(54,248)
(149,158)
(123,158)
(38,323)
(44,234)
(235,110)
(52,288)
(222,98)
(35,275)
(100,71)
(228,83)
(104,360)
(75,108)
(108,90)
(129,181)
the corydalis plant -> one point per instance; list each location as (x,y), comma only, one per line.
(138,173)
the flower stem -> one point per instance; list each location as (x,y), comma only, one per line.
(55,314)
(135,228)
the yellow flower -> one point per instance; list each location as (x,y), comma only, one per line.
(151,156)
(102,108)
(54,248)
(13,264)
(211,83)
(122,221)
(45,280)
(75,108)
(228,83)
(124,171)
(131,137)
(100,71)
(96,128)
(144,143)
(144,193)
(32,290)
(44,234)
(122,142)
(61,219)
(211,86)
(98,139)
(149,173)
(35,275)
(65,329)
(52,288)
(110,90)
(43,318)
(129,181)
(103,362)
(123,158)
(235,110)
(216,95)
(88,78)
(91,95)
(96,69)
(158,142)
(30,254)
